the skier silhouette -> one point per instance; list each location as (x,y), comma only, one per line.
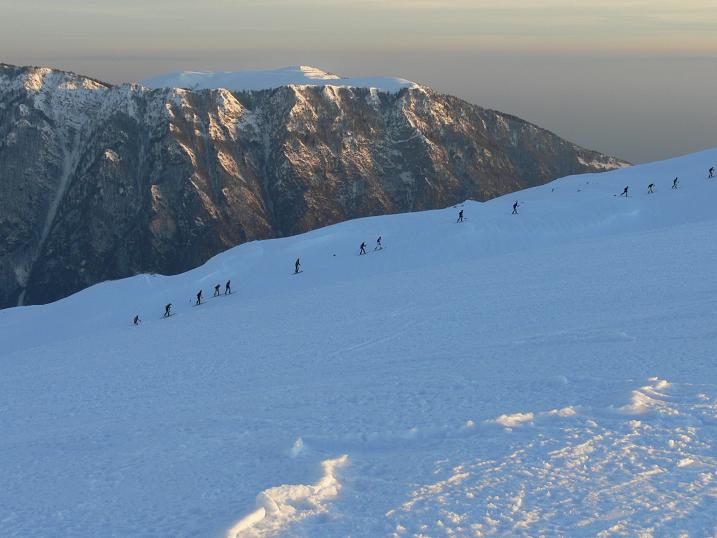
(712,172)
(199,298)
(362,249)
(651,188)
(378,244)
(167,310)
(297,266)
(460,216)
(216,289)
(515,208)
(228,287)
(675,183)
(136,320)
(624,192)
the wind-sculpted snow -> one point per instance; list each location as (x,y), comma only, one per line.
(550,373)
(281,506)
(594,472)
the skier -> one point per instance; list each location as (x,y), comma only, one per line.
(624,193)
(136,320)
(297,266)
(515,207)
(712,172)
(378,244)
(228,287)
(216,289)
(167,310)
(460,216)
(675,183)
(651,188)
(362,249)
(199,298)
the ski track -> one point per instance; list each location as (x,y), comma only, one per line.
(550,375)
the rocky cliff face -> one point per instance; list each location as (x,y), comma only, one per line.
(100,182)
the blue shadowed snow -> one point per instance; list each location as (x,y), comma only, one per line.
(546,373)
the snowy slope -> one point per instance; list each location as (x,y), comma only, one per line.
(300,75)
(547,373)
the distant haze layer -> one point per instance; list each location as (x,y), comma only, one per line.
(633,78)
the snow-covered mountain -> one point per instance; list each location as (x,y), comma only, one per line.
(100,182)
(300,75)
(547,373)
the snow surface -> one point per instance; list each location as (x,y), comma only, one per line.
(550,373)
(299,75)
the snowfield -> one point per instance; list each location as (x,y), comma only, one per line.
(551,373)
(299,75)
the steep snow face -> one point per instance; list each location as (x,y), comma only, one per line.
(547,373)
(299,75)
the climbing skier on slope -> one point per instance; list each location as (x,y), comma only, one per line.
(624,192)
(362,248)
(297,266)
(136,320)
(216,289)
(460,216)
(651,188)
(712,172)
(228,287)
(675,183)
(378,244)
(199,298)
(167,310)
(515,207)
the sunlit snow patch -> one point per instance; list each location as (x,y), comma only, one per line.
(593,473)
(282,505)
(299,75)
(515,419)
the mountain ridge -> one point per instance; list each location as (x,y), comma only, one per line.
(248,80)
(100,181)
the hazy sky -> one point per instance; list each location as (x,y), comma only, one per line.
(637,79)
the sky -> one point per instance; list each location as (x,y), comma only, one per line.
(636,79)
